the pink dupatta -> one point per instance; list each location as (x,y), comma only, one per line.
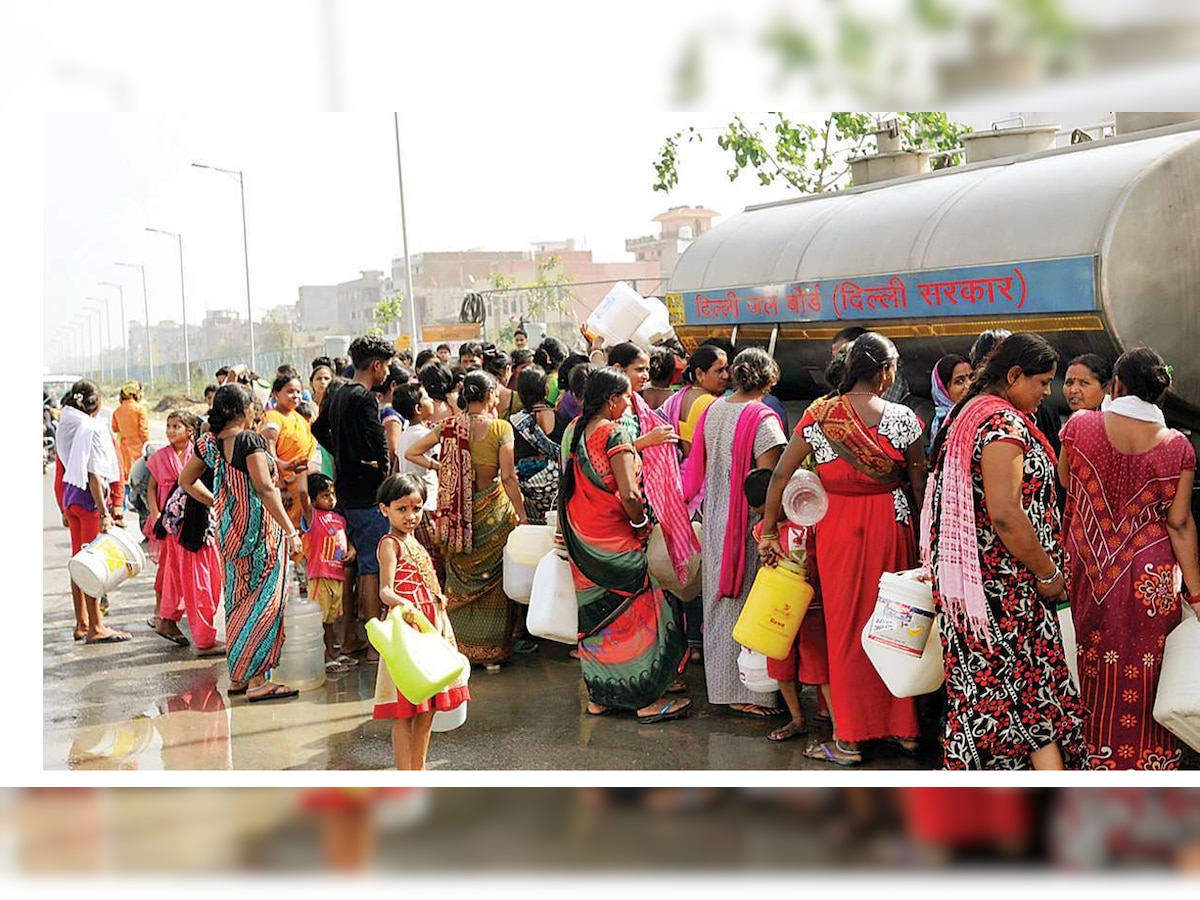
(733,558)
(958,578)
(662,480)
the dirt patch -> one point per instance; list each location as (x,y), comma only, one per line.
(174,401)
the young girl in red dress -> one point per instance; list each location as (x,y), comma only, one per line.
(407,580)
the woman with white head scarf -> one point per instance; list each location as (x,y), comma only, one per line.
(88,489)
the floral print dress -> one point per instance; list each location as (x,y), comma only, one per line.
(1008,700)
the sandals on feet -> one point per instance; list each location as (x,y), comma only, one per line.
(754,711)
(833,752)
(668,712)
(603,711)
(347,661)
(178,639)
(787,732)
(336,666)
(236,688)
(273,692)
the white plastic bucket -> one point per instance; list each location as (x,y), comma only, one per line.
(619,314)
(1070,646)
(107,562)
(553,607)
(1177,703)
(457,717)
(901,638)
(448,721)
(524,550)
(752,672)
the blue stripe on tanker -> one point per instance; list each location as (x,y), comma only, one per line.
(1031,287)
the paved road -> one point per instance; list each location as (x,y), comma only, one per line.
(148,704)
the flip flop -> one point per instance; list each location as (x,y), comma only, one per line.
(787,732)
(823,753)
(235,691)
(336,666)
(604,711)
(215,650)
(347,661)
(664,716)
(764,712)
(179,639)
(117,637)
(276,692)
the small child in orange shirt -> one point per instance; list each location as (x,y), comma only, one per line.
(326,552)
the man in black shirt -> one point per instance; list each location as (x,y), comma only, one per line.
(352,433)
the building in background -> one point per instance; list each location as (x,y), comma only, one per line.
(357,299)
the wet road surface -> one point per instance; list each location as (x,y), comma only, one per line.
(149,704)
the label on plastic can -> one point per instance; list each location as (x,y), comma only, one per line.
(901,627)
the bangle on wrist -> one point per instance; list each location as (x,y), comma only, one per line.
(769,536)
(642,524)
(1053,576)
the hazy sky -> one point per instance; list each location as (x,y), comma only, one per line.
(322,200)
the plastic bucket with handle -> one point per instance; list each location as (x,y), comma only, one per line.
(107,562)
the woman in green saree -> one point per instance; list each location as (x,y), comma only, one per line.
(631,639)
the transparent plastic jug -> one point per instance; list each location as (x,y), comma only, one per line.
(804,499)
(302,659)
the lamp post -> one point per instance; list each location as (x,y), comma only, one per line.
(146,305)
(106,338)
(87,334)
(124,331)
(245,254)
(408,286)
(187,356)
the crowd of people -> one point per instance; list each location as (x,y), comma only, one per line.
(386,483)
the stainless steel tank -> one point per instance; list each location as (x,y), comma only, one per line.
(1096,246)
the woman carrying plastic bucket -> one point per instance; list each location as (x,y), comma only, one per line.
(87,485)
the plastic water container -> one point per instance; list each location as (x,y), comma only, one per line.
(1066,623)
(752,672)
(1177,704)
(420,661)
(448,720)
(553,607)
(657,326)
(526,546)
(774,609)
(901,637)
(804,499)
(663,572)
(302,659)
(107,562)
(619,314)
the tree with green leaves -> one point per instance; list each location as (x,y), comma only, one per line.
(389,310)
(810,158)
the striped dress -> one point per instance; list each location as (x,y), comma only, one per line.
(251,545)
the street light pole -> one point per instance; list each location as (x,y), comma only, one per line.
(146,305)
(106,347)
(245,256)
(124,330)
(408,285)
(187,357)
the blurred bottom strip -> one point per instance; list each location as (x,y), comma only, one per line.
(227,830)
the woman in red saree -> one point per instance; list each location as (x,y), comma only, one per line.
(1129,531)
(868,452)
